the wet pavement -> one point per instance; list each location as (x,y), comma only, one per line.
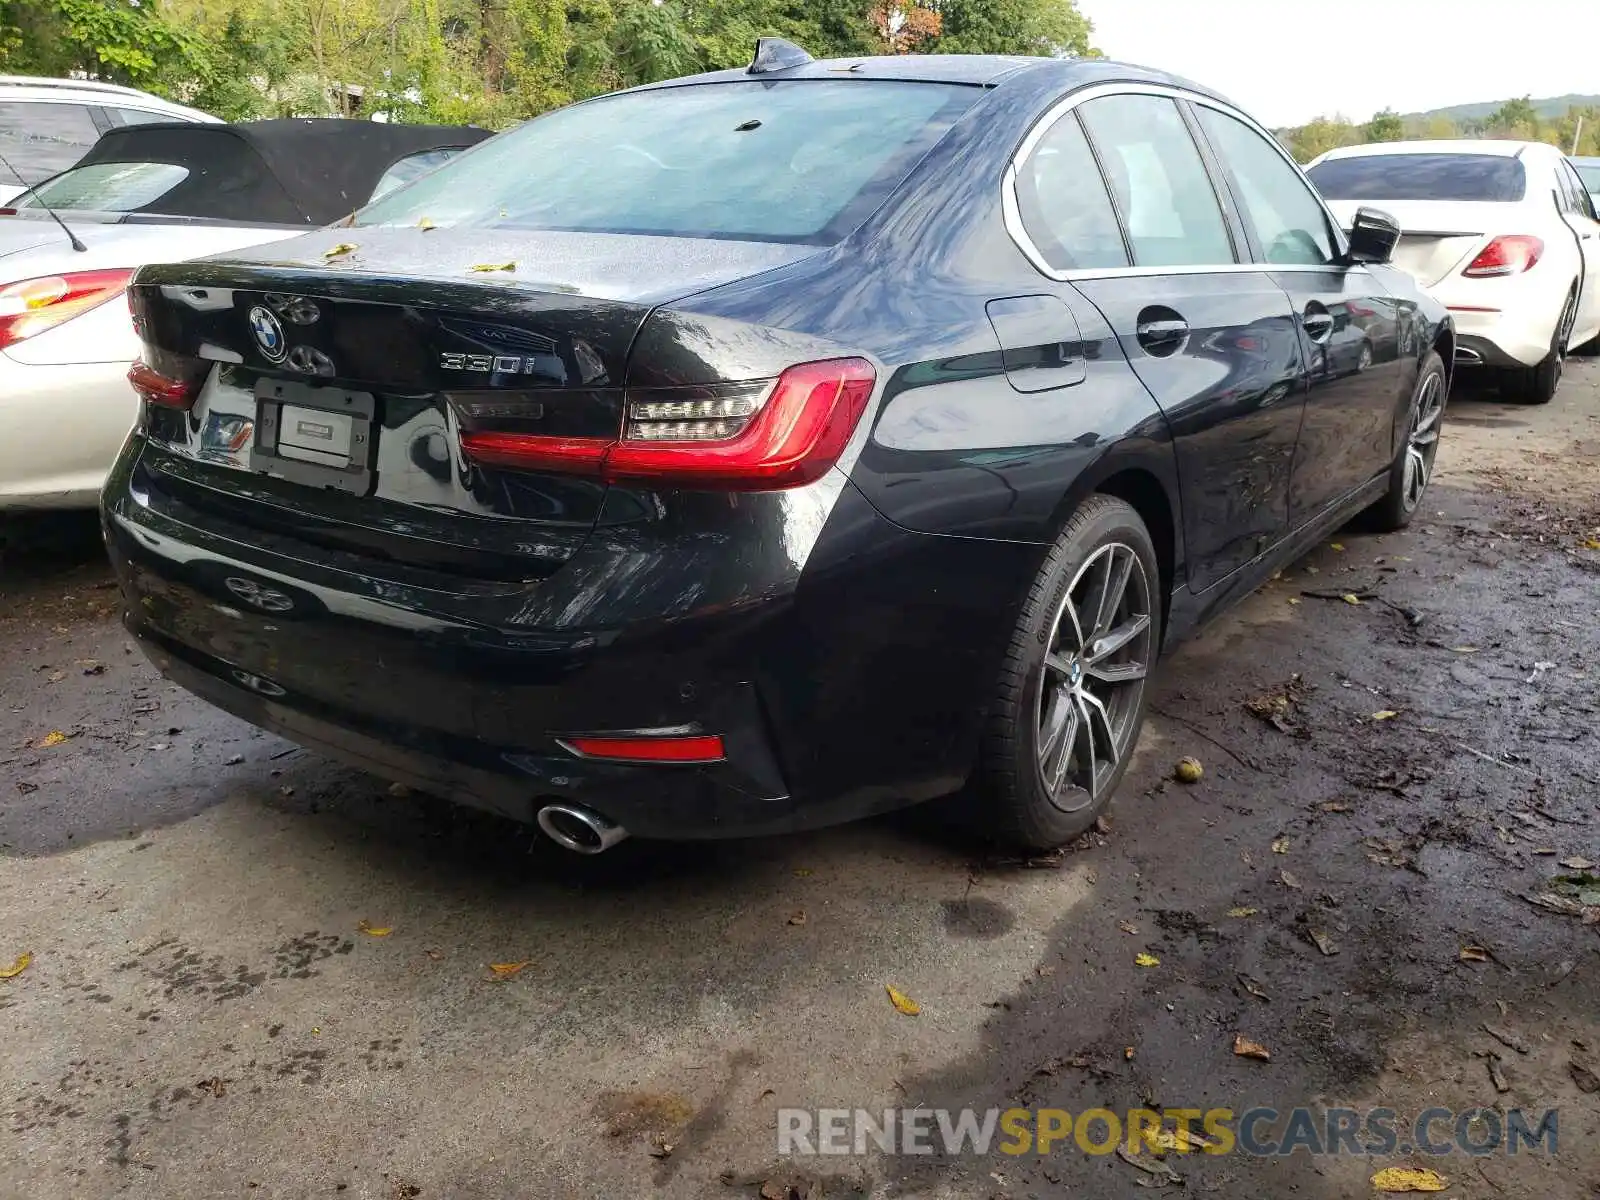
(258,974)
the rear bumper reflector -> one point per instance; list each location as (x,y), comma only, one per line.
(692,749)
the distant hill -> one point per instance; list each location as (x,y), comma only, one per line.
(1555,106)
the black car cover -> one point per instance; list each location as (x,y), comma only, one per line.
(296,171)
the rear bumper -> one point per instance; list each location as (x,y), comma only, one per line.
(843,660)
(60,426)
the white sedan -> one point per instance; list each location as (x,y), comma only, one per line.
(1504,233)
(154,193)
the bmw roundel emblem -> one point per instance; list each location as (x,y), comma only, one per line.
(268,333)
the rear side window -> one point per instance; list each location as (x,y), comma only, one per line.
(796,161)
(1479,177)
(1287,216)
(1064,205)
(41,139)
(1159,181)
(410,168)
(106,187)
(1590,174)
(140,116)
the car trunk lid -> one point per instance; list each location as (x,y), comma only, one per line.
(342,369)
(1437,237)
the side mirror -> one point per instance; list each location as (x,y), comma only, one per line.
(1373,236)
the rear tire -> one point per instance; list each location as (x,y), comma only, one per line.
(1071,696)
(1537,384)
(1412,468)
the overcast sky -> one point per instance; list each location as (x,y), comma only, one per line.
(1286,61)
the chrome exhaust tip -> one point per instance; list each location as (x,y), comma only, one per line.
(1469,356)
(578,829)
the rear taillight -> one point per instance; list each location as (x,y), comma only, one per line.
(31,306)
(1509,254)
(156,388)
(739,437)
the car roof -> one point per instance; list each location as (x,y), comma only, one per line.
(981,70)
(93,91)
(1497,147)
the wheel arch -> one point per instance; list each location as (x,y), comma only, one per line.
(1150,487)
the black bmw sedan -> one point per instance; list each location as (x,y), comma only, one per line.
(769,448)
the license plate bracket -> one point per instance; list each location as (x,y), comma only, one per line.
(317,436)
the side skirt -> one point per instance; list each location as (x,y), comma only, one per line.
(1187,611)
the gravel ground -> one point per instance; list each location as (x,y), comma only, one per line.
(255,973)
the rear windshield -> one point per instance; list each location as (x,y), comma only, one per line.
(796,161)
(1491,177)
(105,187)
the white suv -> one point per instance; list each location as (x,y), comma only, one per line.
(46,125)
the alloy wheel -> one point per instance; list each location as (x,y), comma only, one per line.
(1098,658)
(1422,444)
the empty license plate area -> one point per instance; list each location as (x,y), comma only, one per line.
(317,436)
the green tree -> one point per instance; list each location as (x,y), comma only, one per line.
(1321,134)
(1385,126)
(1052,28)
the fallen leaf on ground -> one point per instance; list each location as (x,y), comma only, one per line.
(1146,960)
(1334,806)
(341,248)
(1281,846)
(1588,1082)
(1464,649)
(660,1147)
(1496,1075)
(17,967)
(798,917)
(1384,714)
(1506,1038)
(507,970)
(1336,545)
(1350,598)
(902,1002)
(1244,910)
(1188,770)
(1127,927)
(1473,954)
(1245,1048)
(1577,863)
(1127,1053)
(54,738)
(1289,881)
(1547,850)
(1409,1179)
(1181,1140)
(1294,599)
(1149,1166)
(802,872)
(1253,987)
(216,1085)
(372,930)
(485,268)
(1591,544)
(1323,942)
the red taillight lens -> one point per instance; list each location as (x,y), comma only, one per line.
(698,749)
(1509,254)
(569,456)
(727,436)
(31,306)
(157,388)
(790,440)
